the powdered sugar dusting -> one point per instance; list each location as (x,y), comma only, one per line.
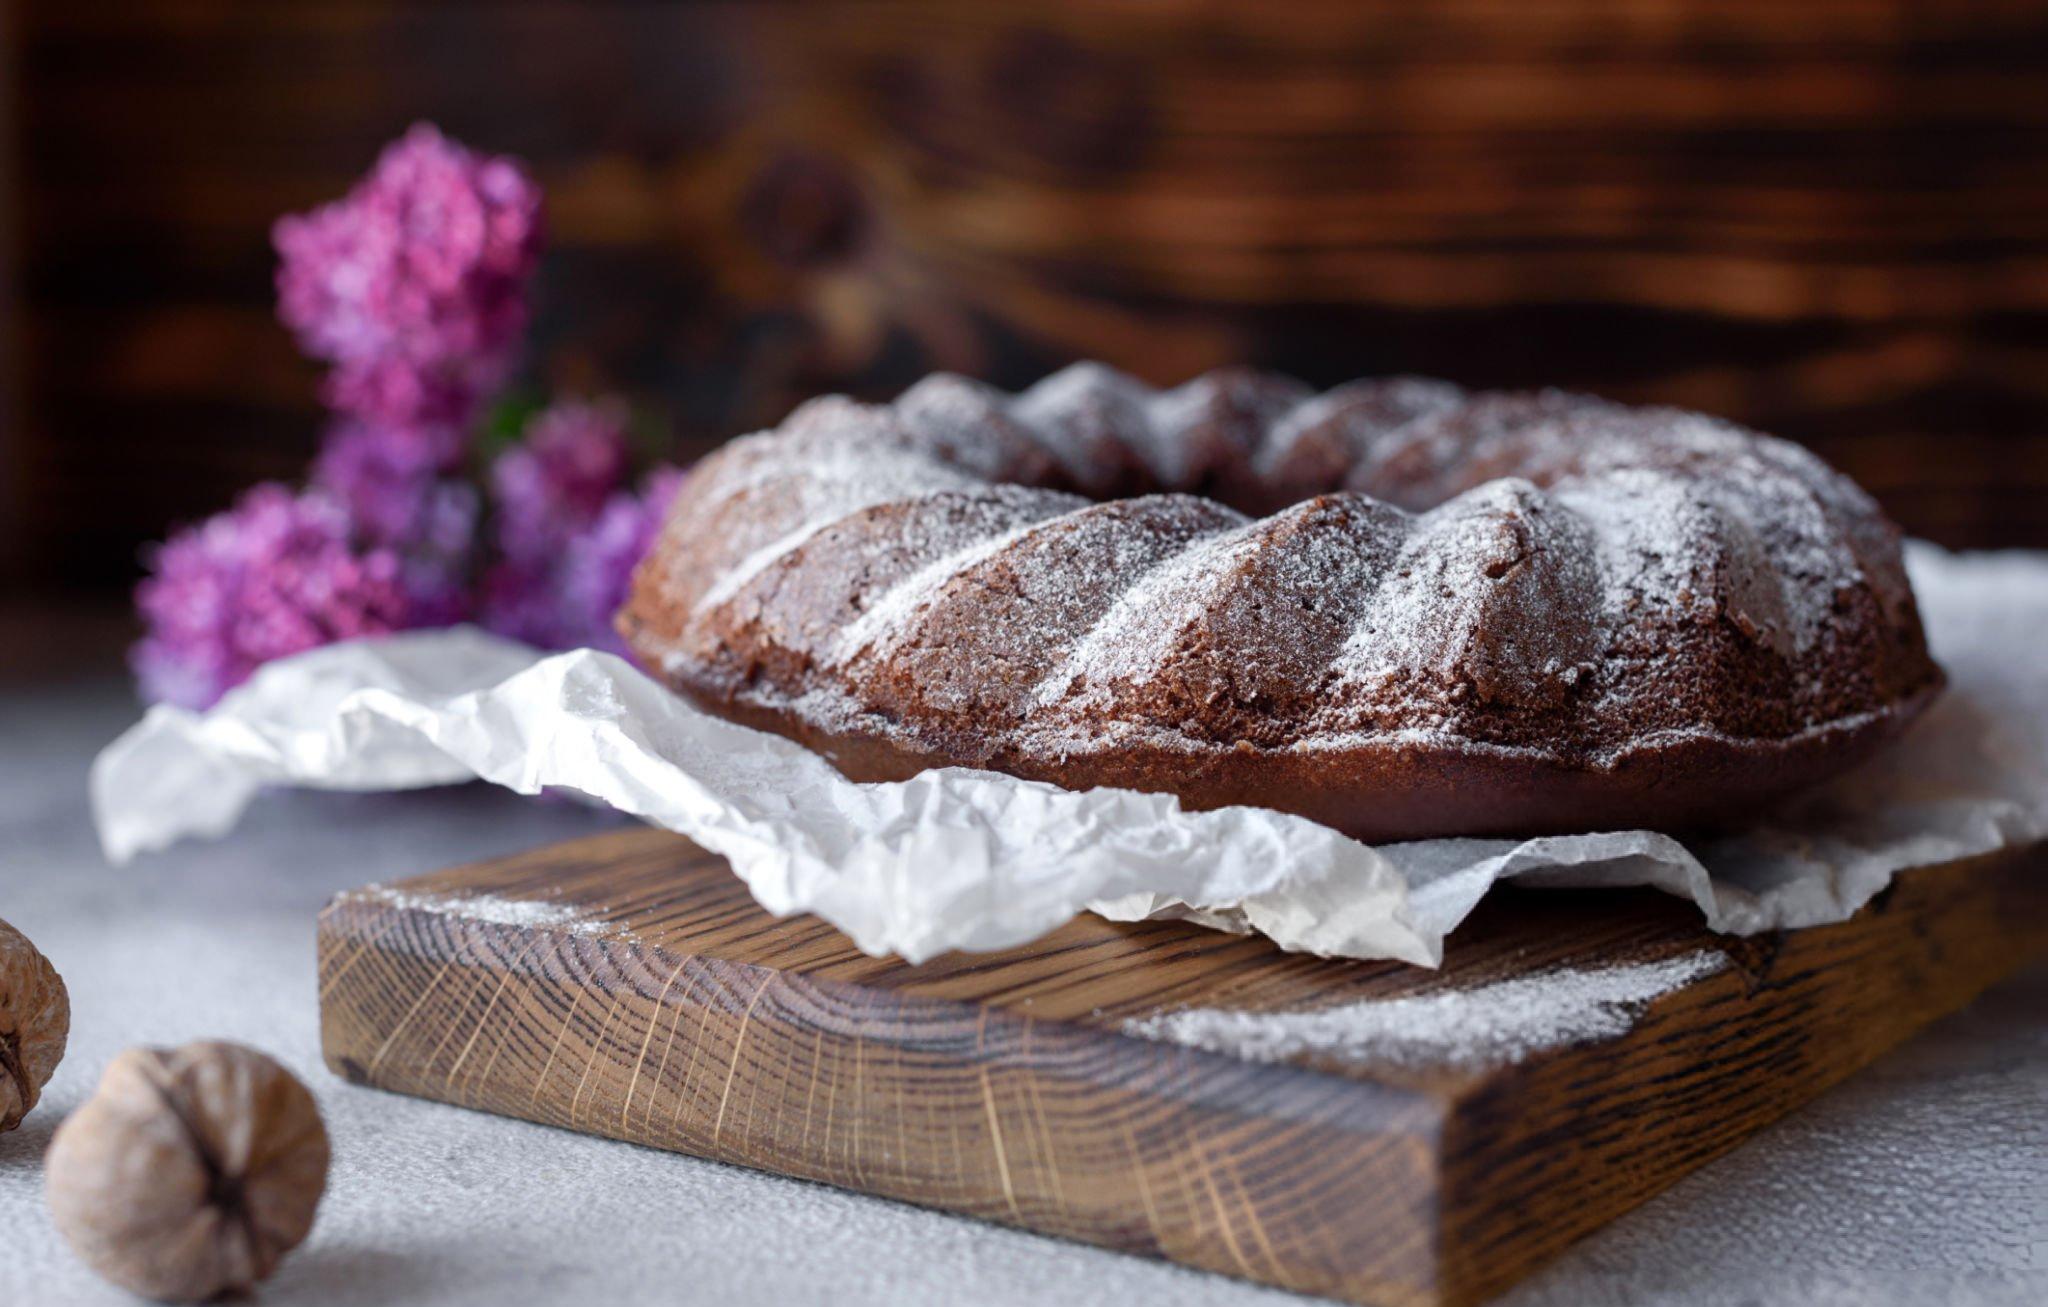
(1315,443)
(965,424)
(1571,579)
(492,909)
(760,560)
(1766,503)
(1129,642)
(1490,1025)
(1080,413)
(1041,596)
(834,481)
(889,617)
(1652,537)
(1298,579)
(1226,416)
(1502,558)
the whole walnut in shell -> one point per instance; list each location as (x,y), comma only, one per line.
(35,1020)
(190,1172)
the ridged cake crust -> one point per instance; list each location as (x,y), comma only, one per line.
(1396,607)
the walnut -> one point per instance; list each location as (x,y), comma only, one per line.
(35,1020)
(190,1171)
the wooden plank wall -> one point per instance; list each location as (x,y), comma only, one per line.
(1829,219)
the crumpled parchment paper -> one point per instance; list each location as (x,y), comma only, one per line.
(959,859)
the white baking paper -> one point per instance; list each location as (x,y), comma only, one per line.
(959,859)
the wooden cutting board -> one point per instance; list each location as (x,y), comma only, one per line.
(626,985)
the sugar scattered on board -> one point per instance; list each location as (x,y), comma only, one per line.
(1488,1025)
(495,910)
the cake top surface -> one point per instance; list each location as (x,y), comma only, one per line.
(1242,559)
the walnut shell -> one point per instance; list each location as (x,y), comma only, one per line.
(35,1020)
(190,1171)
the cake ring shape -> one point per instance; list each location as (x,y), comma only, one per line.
(1395,607)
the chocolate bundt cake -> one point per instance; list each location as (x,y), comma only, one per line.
(1395,607)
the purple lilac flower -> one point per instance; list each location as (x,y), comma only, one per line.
(277,574)
(557,480)
(397,390)
(597,568)
(400,488)
(567,528)
(414,284)
(545,491)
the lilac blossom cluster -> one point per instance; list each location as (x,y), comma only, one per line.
(403,490)
(597,566)
(414,289)
(414,285)
(278,574)
(560,510)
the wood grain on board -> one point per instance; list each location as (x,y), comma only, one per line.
(627,985)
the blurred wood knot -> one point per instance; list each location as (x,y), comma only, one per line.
(805,210)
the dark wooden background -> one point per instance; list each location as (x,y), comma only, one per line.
(1827,218)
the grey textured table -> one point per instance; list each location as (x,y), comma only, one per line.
(1924,1180)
